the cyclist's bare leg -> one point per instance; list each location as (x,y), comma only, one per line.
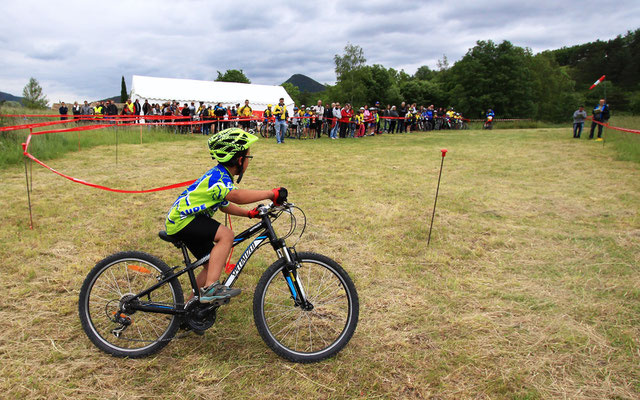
(222,237)
(219,255)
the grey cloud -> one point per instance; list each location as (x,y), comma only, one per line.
(270,41)
(52,51)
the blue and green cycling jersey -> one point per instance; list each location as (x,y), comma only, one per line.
(204,196)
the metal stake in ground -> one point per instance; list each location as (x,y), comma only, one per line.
(24,150)
(444,153)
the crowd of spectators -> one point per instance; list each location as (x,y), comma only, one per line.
(336,121)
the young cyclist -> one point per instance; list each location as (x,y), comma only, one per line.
(190,217)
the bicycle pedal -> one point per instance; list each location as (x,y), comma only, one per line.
(221,302)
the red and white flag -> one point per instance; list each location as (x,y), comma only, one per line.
(596,82)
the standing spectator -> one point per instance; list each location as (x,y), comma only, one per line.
(186,113)
(366,117)
(166,112)
(63,110)
(137,109)
(337,114)
(360,124)
(76,111)
(402,113)
(280,112)
(601,114)
(578,121)
(86,109)
(352,123)
(379,119)
(112,110)
(327,118)
(99,109)
(129,109)
(393,118)
(219,112)
(430,115)
(245,113)
(295,120)
(192,109)
(387,119)
(347,113)
(146,108)
(318,110)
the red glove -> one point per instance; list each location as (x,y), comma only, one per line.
(279,196)
(253,213)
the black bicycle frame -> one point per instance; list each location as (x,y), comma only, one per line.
(265,231)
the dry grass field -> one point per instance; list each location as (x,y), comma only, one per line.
(530,288)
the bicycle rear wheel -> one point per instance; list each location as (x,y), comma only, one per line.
(313,335)
(116,279)
(264,131)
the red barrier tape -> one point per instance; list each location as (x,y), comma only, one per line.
(615,128)
(502,119)
(77,128)
(76,180)
(29,126)
(25,148)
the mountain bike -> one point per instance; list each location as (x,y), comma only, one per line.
(294,131)
(305,306)
(268,129)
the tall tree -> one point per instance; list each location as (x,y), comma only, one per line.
(292,91)
(553,92)
(124,96)
(493,76)
(32,95)
(232,75)
(349,71)
(443,64)
(352,59)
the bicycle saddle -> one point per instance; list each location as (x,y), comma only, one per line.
(164,236)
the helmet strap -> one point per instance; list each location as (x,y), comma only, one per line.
(239,167)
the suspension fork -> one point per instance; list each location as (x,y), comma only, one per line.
(296,286)
(290,269)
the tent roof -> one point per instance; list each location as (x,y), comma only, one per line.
(187,90)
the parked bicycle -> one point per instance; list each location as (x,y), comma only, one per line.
(268,129)
(294,131)
(305,306)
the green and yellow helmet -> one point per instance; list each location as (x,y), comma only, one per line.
(225,144)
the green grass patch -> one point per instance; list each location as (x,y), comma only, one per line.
(528,290)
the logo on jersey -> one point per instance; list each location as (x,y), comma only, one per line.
(184,214)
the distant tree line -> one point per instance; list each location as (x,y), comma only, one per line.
(511,80)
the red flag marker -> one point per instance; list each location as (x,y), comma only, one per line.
(597,82)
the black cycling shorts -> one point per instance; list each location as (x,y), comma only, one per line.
(198,235)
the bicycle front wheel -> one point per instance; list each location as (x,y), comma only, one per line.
(306,335)
(116,279)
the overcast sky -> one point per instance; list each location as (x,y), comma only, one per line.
(80,49)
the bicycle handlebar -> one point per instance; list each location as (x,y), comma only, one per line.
(272,208)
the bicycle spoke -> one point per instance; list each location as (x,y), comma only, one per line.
(116,282)
(326,288)
(316,328)
(289,330)
(126,270)
(284,315)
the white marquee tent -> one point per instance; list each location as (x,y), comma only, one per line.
(160,90)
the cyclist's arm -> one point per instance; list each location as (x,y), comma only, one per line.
(245,196)
(233,209)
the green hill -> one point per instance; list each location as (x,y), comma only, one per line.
(9,97)
(305,84)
